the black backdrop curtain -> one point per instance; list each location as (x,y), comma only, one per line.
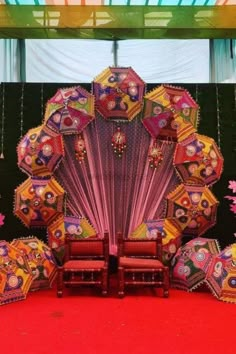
(22,107)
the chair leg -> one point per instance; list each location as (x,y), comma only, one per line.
(59,282)
(121,282)
(166,280)
(105,282)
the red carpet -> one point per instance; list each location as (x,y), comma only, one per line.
(141,323)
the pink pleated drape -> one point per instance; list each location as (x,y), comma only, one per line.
(115,193)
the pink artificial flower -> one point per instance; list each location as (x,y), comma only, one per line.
(232,185)
(233,208)
(2,217)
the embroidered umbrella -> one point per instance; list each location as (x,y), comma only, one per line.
(170,113)
(221,275)
(192,208)
(40,259)
(39,201)
(198,160)
(70,110)
(67,225)
(191,262)
(171,235)
(119,93)
(40,151)
(15,274)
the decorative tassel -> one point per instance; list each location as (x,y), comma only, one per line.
(80,150)
(118,142)
(155,156)
(1,156)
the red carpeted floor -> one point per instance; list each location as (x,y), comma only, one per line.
(141,323)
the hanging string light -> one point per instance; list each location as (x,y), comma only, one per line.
(155,155)
(2,121)
(218,118)
(80,149)
(118,142)
(42,100)
(196,93)
(22,109)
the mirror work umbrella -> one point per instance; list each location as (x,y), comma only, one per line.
(70,110)
(118,93)
(198,160)
(15,274)
(39,201)
(40,259)
(193,208)
(170,113)
(191,262)
(40,151)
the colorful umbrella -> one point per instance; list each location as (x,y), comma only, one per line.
(170,233)
(192,208)
(70,110)
(15,274)
(191,262)
(170,113)
(221,275)
(67,225)
(40,151)
(198,160)
(119,93)
(39,201)
(40,259)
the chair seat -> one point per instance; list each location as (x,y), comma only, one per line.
(84,265)
(130,262)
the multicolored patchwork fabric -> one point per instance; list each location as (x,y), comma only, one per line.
(40,260)
(198,160)
(40,151)
(39,201)
(170,113)
(118,93)
(70,110)
(191,262)
(15,274)
(193,208)
(171,235)
(221,275)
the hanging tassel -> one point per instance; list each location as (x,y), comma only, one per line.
(80,150)
(155,156)
(118,142)
(1,156)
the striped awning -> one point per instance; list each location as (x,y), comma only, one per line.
(117,19)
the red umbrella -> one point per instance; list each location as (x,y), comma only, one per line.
(39,201)
(198,160)
(40,151)
(119,93)
(192,208)
(170,113)
(70,110)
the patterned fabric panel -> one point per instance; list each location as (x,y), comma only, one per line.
(84,265)
(140,263)
(80,248)
(140,248)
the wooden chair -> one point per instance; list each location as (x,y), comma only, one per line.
(140,264)
(86,263)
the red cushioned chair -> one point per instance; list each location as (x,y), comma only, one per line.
(140,264)
(86,263)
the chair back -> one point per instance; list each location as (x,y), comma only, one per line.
(140,247)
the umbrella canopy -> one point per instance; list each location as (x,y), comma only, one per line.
(40,259)
(191,262)
(192,208)
(39,201)
(198,160)
(70,110)
(170,113)
(119,93)
(221,275)
(15,274)
(40,151)
(171,235)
